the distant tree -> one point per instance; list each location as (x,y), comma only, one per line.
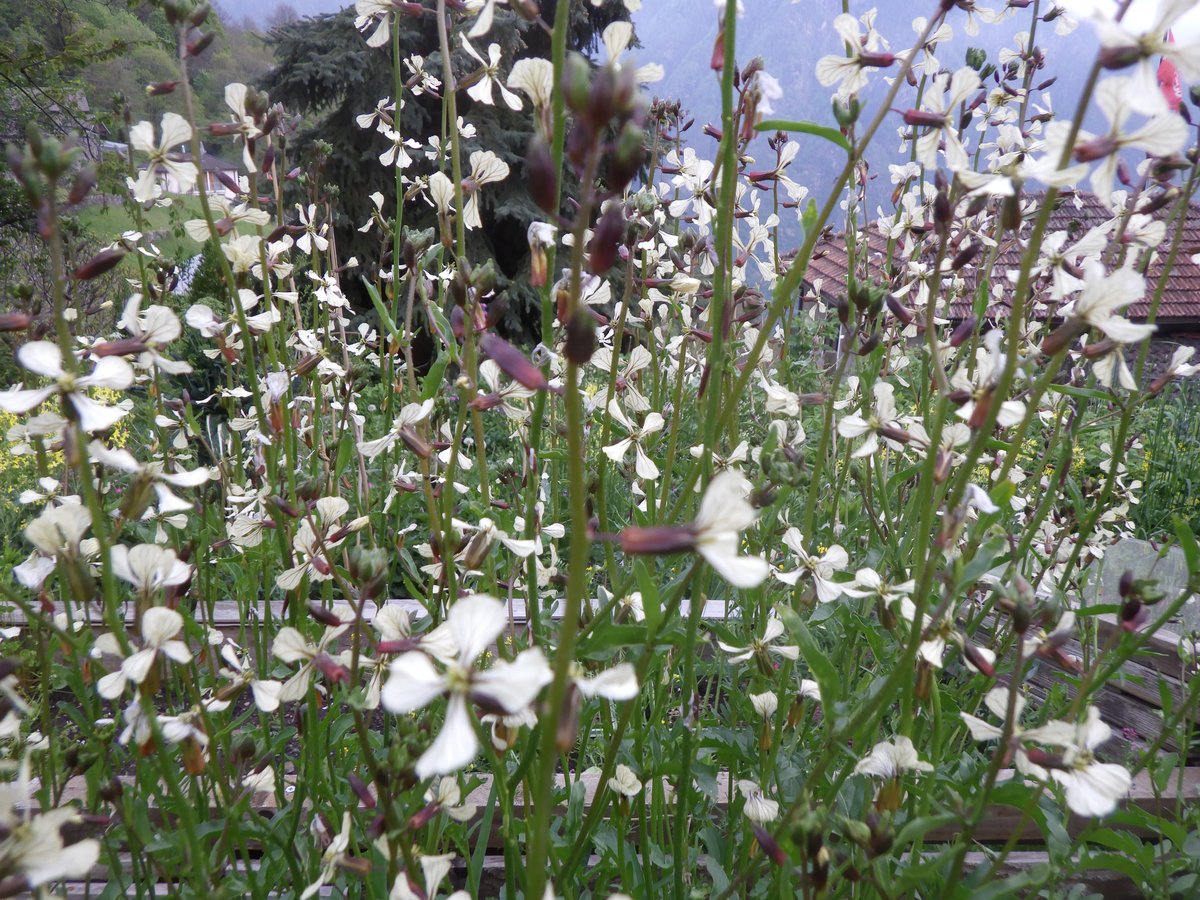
(283,14)
(325,70)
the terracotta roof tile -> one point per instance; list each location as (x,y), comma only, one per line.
(1180,303)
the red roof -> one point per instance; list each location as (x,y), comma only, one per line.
(1075,213)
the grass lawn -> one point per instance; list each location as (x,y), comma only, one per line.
(109,220)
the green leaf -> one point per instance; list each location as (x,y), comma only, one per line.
(651,602)
(984,560)
(819,664)
(919,827)
(607,638)
(822,131)
(1080,393)
(809,220)
(575,806)
(1187,543)
(475,870)
(433,378)
(344,453)
(385,317)
(442,325)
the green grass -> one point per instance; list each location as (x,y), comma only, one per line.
(164,224)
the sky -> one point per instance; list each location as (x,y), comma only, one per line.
(1142,14)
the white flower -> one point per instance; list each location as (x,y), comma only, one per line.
(159,628)
(768,89)
(763,646)
(765,704)
(266,691)
(175,130)
(536,78)
(1103,294)
(59,529)
(942,99)
(124,461)
(724,513)
(290,646)
(486,168)
(1162,134)
(617,683)
(481,90)
(1093,788)
(473,623)
(624,782)
(155,326)
(889,759)
(820,568)
(634,437)
(235,99)
(32,850)
(849,73)
(312,540)
(149,567)
(313,235)
(868,583)
(336,851)
(759,808)
(1118,39)
(883,420)
(44,358)
(412,414)
(374,16)
(446,795)
(487,12)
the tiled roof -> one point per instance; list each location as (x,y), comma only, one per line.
(1075,214)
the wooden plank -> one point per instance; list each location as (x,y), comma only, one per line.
(229,615)
(1161,651)
(1108,884)
(998,824)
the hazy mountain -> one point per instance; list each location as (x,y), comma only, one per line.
(791,37)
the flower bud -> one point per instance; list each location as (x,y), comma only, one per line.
(331,669)
(368,568)
(581,337)
(161,88)
(200,44)
(137,498)
(415,443)
(1095,149)
(361,791)
(845,112)
(964,330)
(513,362)
(542,175)
(965,255)
(14,321)
(627,157)
(568,721)
(199,14)
(602,250)
(176,10)
(82,186)
(769,845)
(1114,58)
(872,60)
(102,262)
(898,309)
(658,540)
(576,83)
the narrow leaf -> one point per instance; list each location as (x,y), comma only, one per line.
(822,131)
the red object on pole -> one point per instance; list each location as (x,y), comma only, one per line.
(1168,80)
